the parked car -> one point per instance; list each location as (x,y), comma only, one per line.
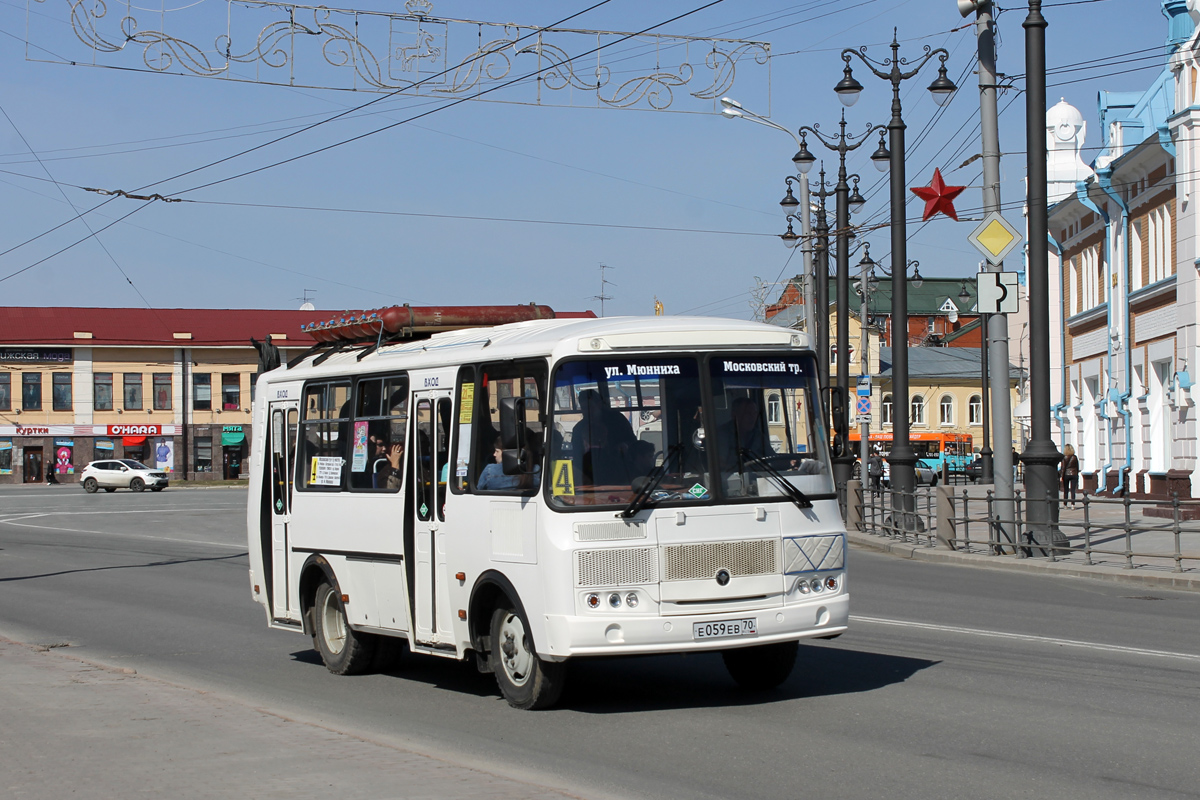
(974,470)
(926,475)
(123,473)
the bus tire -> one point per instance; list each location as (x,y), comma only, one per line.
(761,668)
(526,681)
(343,651)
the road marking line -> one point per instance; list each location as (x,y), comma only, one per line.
(1025,637)
(21,514)
(124,535)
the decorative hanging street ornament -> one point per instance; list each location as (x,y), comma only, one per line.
(938,197)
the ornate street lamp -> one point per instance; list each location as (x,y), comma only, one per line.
(902,457)
(841,143)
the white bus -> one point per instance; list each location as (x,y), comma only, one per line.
(548,490)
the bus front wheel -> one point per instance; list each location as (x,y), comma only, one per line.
(758,669)
(526,681)
(343,651)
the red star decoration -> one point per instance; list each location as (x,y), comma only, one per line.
(938,197)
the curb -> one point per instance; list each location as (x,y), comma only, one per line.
(878,544)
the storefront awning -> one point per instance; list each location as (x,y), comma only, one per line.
(133,441)
(230,439)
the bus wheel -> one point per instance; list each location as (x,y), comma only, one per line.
(526,681)
(343,651)
(758,669)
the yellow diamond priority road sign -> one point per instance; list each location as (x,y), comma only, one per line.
(995,237)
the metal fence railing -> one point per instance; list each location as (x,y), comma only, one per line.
(905,516)
(1108,531)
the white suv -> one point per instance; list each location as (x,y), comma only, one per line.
(121,473)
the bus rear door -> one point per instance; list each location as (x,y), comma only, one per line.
(280,449)
(430,578)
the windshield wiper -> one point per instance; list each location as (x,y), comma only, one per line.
(642,498)
(783,484)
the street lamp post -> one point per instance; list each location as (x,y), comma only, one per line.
(902,457)
(866,286)
(847,201)
(1041,457)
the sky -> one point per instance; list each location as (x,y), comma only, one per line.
(517,196)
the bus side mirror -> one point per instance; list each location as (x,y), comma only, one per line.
(515,456)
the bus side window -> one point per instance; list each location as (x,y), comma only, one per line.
(377,436)
(499,381)
(325,433)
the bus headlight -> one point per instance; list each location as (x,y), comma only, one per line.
(816,584)
(802,586)
(631,600)
(614,600)
(593,600)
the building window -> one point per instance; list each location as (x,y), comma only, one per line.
(162,391)
(102,395)
(5,392)
(1160,244)
(61,391)
(918,410)
(31,391)
(774,410)
(231,391)
(976,410)
(946,410)
(202,392)
(132,386)
(885,410)
(203,453)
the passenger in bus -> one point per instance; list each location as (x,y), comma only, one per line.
(493,478)
(602,463)
(596,411)
(643,458)
(743,434)
(386,466)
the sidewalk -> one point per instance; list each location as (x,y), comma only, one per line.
(73,728)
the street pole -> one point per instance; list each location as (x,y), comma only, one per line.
(821,272)
(997,368)
(903,457)
(810,280)
(864,343)
(1041,457)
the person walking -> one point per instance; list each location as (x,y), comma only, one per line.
(875,471)
(1070,474)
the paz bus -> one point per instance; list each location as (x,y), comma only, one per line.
(530,493)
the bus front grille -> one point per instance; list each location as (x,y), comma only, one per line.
(689,562)
(618,566)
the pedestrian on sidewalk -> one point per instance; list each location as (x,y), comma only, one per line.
(875,471)
(1069,470)
(51,478)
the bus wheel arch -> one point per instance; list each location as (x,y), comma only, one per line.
(491,589)
(315,571)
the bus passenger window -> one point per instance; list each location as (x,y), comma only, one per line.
(499,381)
(378,434)
(325,432)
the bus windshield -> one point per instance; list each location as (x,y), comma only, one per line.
(650,424)
(768,426)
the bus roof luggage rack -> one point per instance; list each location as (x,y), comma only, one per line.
(375,328)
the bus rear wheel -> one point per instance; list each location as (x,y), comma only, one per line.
(343,651)
(761,668)
(526,681)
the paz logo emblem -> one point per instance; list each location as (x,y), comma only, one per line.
(722,577)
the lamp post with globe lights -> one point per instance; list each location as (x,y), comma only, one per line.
(902,456)
(847,201)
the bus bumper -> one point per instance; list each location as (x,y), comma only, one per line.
(630,634)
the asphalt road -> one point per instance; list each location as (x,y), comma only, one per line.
(953,681)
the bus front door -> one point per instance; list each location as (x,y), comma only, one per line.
(280,450)
(429,578)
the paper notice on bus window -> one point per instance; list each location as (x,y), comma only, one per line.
(564,478)
(326,471)
(466,403)
(464,450)
(359,463)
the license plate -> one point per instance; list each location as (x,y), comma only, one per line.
(725,629)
